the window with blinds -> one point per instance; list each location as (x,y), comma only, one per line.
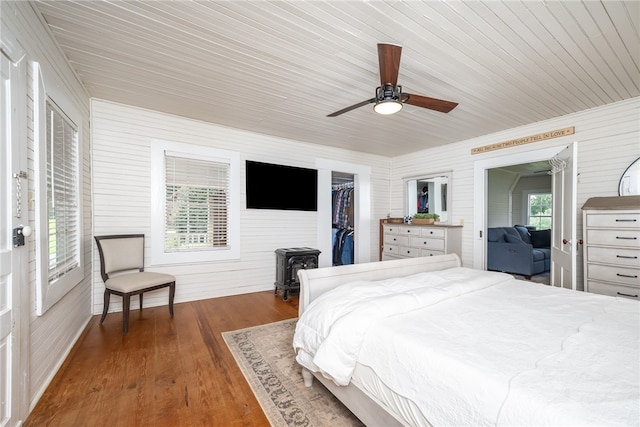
(196,205)
(195,215)
(63,193)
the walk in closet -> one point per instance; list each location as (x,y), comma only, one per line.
(342,218)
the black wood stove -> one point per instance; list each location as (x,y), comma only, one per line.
(288,262)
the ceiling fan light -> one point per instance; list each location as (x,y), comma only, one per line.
(386,107)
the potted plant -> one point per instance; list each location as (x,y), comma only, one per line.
(425,218)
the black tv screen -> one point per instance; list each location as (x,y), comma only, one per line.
(271,186)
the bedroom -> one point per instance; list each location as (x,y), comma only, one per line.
(606,129)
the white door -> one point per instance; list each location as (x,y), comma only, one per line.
(13,262)
(564,244)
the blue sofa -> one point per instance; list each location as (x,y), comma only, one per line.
(519,250)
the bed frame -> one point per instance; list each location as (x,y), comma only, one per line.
(315,282)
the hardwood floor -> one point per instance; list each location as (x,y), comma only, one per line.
(164,372)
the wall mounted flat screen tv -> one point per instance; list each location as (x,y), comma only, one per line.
(271,186)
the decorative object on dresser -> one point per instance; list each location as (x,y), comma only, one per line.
(612,246)
(412,240)
(424,218)
(288,262)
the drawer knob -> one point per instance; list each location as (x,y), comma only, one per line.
(626,257)
(626,238)
(627,275)
(626,220)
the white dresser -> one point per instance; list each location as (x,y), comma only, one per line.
(409,241)
(612,246)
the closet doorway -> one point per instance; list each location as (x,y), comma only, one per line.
(361,200)
(342,218)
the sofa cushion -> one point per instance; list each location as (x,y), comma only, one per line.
(546,252)
(538,255)
(541,238)
(524,233)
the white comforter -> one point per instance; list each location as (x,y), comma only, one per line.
(478,348)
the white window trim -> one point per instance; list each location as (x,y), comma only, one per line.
(44,88)
(158,203)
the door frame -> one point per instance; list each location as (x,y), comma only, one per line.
(480,194)
(16,161)
(361,210)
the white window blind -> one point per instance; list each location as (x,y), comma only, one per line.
(197,204)
(63,211)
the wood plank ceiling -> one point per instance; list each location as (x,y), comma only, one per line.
(279,67)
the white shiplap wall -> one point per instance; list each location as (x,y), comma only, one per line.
(52,335)
(121,137)
(499,197)
(608,141)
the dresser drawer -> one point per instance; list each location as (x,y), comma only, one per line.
(409,231)
(427,252)
(614,220)
(432,232)
(391,229)
(624,238)
(427,243)
(391,249)
(618,256)
(606,273)
(394,239)
(409,252)
(613,290)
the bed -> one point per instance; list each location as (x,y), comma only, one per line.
(424,341)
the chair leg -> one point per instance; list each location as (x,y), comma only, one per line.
(172,294)
(105,305)
(126,301)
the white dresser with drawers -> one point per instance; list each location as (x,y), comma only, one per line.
(409,241)
(611,235)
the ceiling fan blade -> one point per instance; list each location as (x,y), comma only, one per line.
(430,103)
(389,61)
(353,107)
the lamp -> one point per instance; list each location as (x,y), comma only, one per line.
(388,99)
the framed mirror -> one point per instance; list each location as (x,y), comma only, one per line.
(429,193)
(630,180)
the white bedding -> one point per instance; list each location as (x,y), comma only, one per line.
(473,347)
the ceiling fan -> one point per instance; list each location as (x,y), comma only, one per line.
(389,96)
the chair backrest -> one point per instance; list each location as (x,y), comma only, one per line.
(120,252)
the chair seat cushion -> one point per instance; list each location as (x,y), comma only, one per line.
(136,281)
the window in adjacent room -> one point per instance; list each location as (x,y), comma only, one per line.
(195,202)
(539,210)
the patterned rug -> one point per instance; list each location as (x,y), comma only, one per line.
(267,360)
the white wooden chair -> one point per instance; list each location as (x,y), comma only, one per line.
(122,270)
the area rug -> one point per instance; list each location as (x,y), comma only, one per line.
(267,360)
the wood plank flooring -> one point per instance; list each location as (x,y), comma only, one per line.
(164,372)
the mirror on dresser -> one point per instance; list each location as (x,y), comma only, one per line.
(430,193)
(630,180)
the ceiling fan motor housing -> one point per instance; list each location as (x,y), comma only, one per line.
(388,92)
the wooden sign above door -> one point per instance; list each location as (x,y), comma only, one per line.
(525,140)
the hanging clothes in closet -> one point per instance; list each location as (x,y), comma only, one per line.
(342,198)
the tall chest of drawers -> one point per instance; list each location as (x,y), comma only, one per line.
(410,241)
(611,237)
